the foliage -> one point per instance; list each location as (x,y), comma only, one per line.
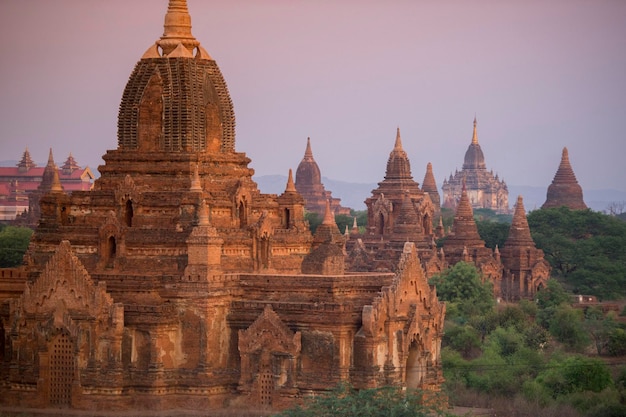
(548,300)
(464,339)
(485,214)
(314,220)
(567,327)
(13,244)
(461,285)
(586,249)
(616,343)
(575,374)
(342,220)
(599,328)
(348,402)
(493,233)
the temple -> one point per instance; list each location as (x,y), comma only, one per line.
(565,190)
(525,269)
(483,189)
(309,185)
(175,283)
(22,186)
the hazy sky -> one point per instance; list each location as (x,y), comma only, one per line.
(539,75)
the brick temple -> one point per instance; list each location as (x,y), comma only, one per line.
(564,189)
(176,283)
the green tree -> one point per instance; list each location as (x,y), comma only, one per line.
(599,327)
(575,374)
(13,244)
(587,249)
(461,285)
(567,327)
(344,221)
(493,233)
(314,220)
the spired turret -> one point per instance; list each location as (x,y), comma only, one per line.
(429,185)
(565,190)
(525,269)
(309,184)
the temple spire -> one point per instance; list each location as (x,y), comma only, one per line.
(475,134)
(328,215)
(519,233)
(291,187)
(398,144)
(308,153)
(177,31)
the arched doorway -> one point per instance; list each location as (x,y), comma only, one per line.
(415,370)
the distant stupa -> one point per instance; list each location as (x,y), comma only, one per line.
(565,190)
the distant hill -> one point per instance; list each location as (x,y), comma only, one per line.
(353,195)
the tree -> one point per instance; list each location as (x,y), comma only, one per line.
(13,244)
(575,374)
(314,220)
(567,327)
(493,233)
(586,249)
(463,286)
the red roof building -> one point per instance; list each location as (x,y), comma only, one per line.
(19,182)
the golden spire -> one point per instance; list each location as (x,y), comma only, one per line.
(475,135)
(177,40)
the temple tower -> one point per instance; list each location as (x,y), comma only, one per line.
(398,188)
(429,185)
(525,269)
(465,244)
(565,190)
(483,189)
(309,184)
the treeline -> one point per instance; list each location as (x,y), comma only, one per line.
(532,358)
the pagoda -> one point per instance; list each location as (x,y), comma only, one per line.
(175,283)
(565,190)
(484,190)
(465,244)
(525,269)
(309,184)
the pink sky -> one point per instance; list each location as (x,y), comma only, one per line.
(539,76)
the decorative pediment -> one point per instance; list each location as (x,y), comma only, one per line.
(126,191)
(65,281)
(383,206)
(268,332)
